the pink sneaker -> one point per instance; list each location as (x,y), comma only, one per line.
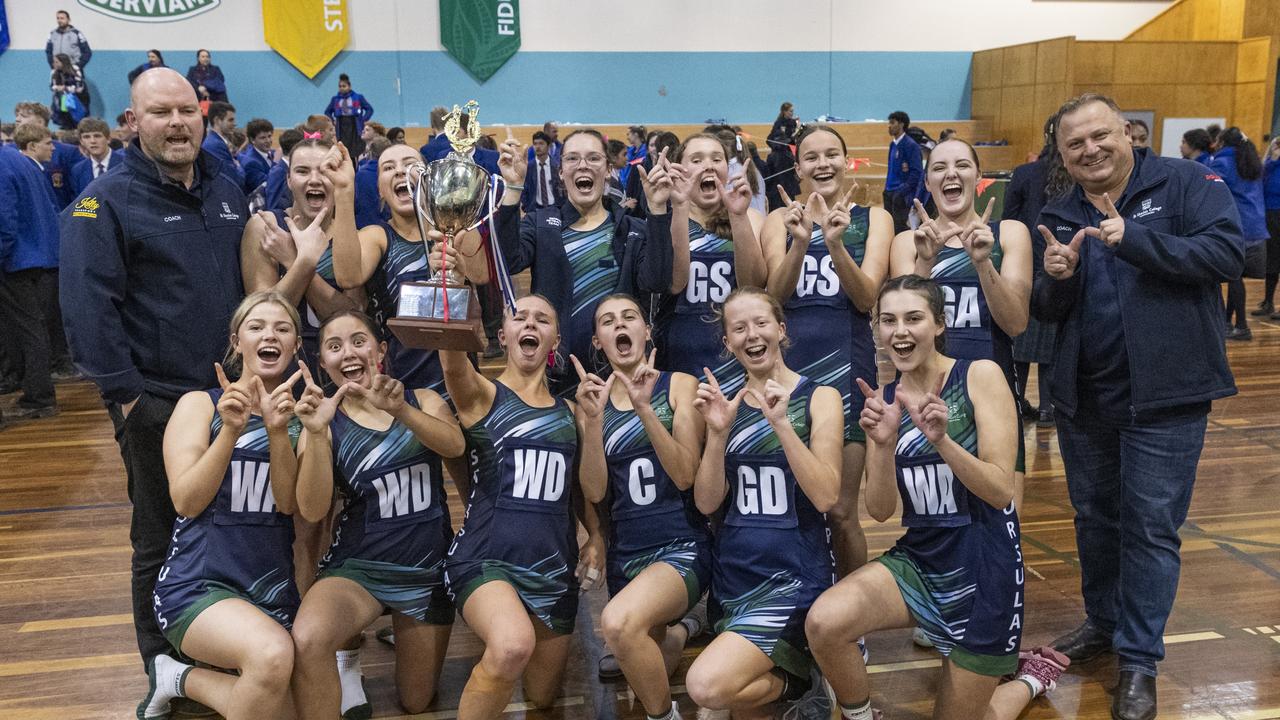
(1044,664)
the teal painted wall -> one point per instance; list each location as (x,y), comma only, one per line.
(587,87)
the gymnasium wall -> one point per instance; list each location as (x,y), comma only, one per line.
(661,61)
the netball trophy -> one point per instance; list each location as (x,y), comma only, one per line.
(443,312)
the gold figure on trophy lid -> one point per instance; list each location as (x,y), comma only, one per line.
(462,145)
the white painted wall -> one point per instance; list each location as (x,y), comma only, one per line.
(639,25)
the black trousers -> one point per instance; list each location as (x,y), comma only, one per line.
(24,297)
(899,208)
(141,439)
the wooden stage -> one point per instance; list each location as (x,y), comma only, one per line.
(67,646)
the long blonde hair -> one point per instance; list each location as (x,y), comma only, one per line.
(232,360)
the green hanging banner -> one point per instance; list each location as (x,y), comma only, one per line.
(480,34)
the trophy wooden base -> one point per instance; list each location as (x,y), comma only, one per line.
(462,335)
(465,333)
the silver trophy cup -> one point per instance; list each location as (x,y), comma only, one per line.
(450,194)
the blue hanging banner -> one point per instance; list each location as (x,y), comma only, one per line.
(4,29)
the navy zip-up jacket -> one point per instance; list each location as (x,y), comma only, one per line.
(1271,184)
(156,276)
(641,247)
(906,168)
(255,169)
(1181,239)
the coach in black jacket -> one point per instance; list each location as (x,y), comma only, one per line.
(150,278)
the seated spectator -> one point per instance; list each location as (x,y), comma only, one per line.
(29,268)
(207,78)
(67,84)
(217,140)
(95,146)
(256,159)
(154,60)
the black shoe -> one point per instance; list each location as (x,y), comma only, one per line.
(1264,308)
(1240,334)
(608,669)
(31,412)
(1135,697)
(65,374)
(1046,419)
(1084,643)
(9,386)
(1027,410)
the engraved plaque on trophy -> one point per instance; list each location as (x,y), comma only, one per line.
(443,312)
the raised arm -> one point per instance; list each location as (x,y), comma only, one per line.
(860,283)
(195,465)
(1008,290)
(817,465)
(593,469)
(880,421)
(718,412)
(794,221)
(315,447)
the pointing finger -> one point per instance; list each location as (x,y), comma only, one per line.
(222,376)
(786,199)
(582,372)
(986,214)
(867,392)
(1112,212)
(711,379)
(307,377)
(1048,236)
(920,211)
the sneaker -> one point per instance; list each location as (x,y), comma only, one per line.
(1046,419)
(1264,308)
(1026,410)
(387,635)
(919,637)
(188,708)
(165,677)
(9,386)
(862,648)
(608,669)
(815,704)
(1044,664)
(695,621)
(1240,334)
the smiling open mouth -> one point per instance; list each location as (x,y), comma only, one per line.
(952,191)
(903,348)
(755,352)
(269,354)
(353,371)
(584,184)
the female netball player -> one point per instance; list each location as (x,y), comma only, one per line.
(381,445)
(943,437)
(641,442)
(585,248)
(393,253)
(983,268)
(772,456)
(715,248)
(303,271)
(513,567)
(226,595)
(829,285)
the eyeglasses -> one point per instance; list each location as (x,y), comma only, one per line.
(593,160)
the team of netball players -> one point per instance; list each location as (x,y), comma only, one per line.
(687,411)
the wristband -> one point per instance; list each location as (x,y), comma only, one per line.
(514,187)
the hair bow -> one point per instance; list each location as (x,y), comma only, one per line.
(312,135)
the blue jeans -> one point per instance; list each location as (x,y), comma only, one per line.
(1130,485)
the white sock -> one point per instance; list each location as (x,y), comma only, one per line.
(862,712)
(169,678)
(1037,687)
(673,714)
(351,680)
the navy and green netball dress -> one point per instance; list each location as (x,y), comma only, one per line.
(773,554)
(519,526)
(394,529)
(595,274)
(652,520)
(406,261)
(309,330)
(689,335)
(830,337)
(239,547)
(959,565)
(972,334)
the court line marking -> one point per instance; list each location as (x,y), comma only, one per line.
(76,623)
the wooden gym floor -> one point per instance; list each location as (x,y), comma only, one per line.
(67,646)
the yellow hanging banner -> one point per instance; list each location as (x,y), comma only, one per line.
(307,33)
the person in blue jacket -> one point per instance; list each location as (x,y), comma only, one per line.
(57,169)
(370,210)
(222,120)
(586,248)
(905,173)
(155,252)
(276,194)
(349,111)
(154,60)
(95,144)
(29,266)
(1133,258)
(1271,200)
(438,148)
(207,78)
(1197,145)
(257,158)
(1239,166)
